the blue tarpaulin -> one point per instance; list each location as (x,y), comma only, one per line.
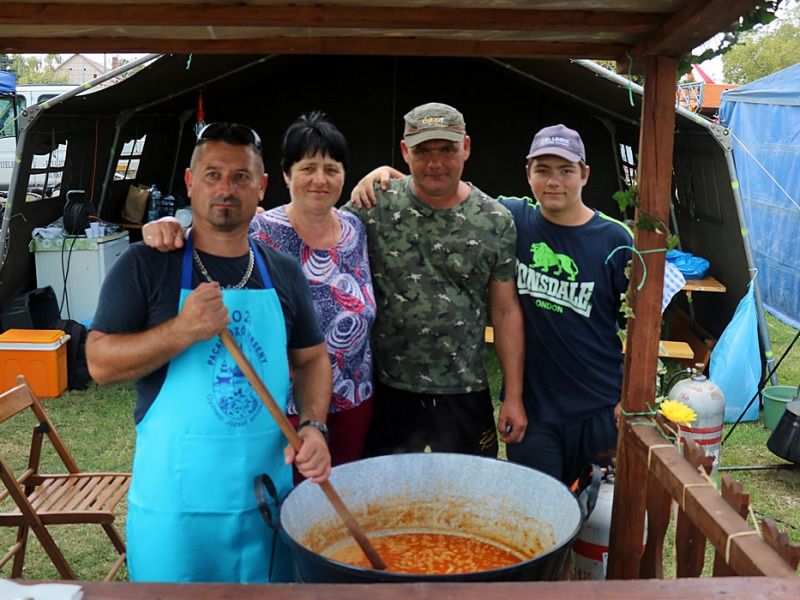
(764,119)
(736,362)
(7,82)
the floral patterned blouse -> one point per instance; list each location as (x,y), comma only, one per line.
(341,288)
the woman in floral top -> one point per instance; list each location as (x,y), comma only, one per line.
(331,247)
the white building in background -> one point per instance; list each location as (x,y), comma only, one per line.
(80,69)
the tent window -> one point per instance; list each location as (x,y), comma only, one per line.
(46,172)
(128,163)
(698,183)
(628,162)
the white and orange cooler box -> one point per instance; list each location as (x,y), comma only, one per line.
(38,354)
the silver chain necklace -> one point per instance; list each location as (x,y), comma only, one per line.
(239,285)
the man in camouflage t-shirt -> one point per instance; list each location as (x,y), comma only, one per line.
(442,255)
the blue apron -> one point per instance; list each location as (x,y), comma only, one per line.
(192,513)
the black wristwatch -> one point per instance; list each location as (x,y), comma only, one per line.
(316,425)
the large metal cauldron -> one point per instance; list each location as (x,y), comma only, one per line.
(492,499)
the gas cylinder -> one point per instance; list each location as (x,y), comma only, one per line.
(705,398)
(589,554)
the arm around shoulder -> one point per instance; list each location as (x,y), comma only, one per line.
(363,194)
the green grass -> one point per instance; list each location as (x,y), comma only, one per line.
(774,494)
(97,426)
(781,336)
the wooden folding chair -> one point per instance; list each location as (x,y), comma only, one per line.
(41,500)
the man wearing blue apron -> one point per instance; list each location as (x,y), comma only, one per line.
(203,434)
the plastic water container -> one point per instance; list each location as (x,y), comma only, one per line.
(167,207)
(154,204)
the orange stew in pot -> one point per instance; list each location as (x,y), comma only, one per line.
(429,554)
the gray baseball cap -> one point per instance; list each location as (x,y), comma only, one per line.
(560,141)
(434,121)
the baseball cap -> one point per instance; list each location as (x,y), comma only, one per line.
(559,141)
(434,121)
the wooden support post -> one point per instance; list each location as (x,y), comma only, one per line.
(641,360)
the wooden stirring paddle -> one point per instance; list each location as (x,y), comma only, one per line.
(294,439)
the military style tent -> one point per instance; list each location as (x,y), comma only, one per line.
(504,103)
(763,119)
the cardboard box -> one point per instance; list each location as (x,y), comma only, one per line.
(38,354)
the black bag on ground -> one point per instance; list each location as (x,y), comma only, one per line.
(78,377)
(35,309)
(77,212)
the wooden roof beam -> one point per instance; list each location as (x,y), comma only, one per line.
(316,45)
(390,18)
(700,19)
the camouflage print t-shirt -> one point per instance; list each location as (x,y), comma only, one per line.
(431,269)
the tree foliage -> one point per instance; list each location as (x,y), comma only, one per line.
(763,14)
(36,69)
(129,72)
(755,20)
(761,53)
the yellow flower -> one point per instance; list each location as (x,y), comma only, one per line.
(677,412)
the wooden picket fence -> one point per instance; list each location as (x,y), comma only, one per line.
(703,512)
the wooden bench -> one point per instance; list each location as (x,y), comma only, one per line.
(673,349)
(666,348)
(706,284)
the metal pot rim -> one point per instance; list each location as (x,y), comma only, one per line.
(561,544)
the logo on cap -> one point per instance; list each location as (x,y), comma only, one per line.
(549,141)
(428,122)
(558,140)
(433,121)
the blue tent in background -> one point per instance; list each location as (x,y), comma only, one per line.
(763,118)
(8,82)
